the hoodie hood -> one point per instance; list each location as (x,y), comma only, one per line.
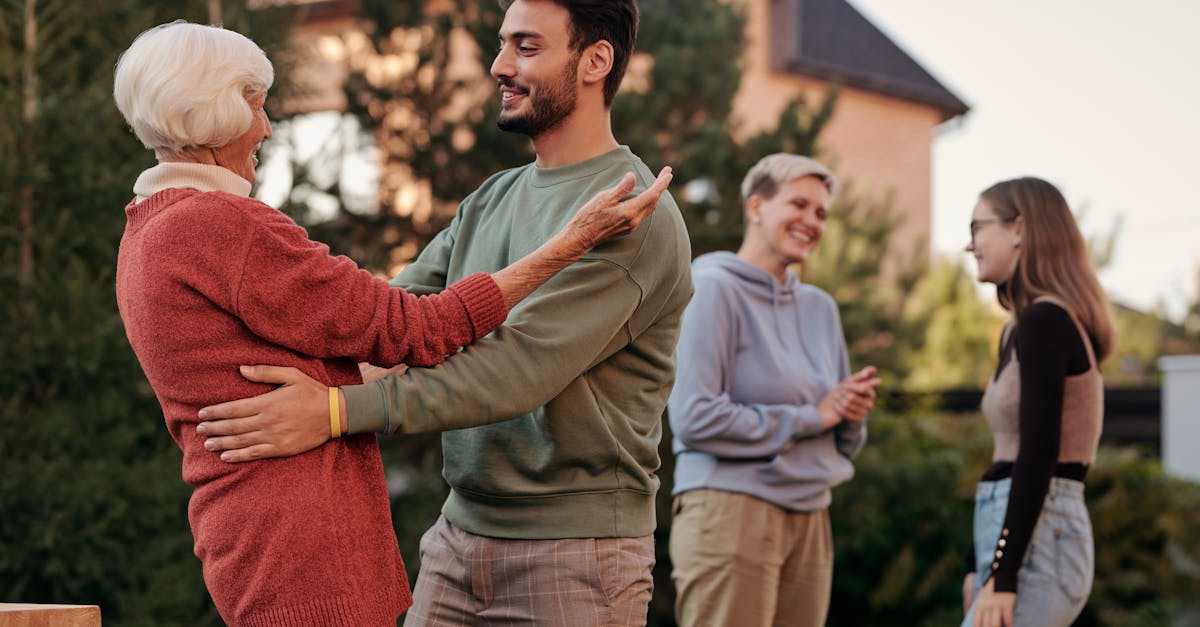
(755,280)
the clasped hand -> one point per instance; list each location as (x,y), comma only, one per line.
(851,400)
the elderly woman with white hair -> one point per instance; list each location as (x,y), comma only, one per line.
(209,278)
(765,413)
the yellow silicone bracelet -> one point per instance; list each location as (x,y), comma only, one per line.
(335,417)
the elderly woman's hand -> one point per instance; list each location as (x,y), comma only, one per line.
(605,215)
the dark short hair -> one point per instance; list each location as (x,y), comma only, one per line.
(614,21)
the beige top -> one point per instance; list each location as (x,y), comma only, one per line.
(1082,410)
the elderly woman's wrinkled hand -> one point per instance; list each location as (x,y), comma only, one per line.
(605,215)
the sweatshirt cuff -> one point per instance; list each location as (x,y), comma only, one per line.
(484,302)
(807,423)
(366,408)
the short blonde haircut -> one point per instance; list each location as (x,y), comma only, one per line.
(183,85)
(774,170)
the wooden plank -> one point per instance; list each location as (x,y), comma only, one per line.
(36,615)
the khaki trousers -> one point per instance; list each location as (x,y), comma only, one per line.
(741,561)
(467,579)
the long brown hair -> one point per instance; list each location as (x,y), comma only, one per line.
(1052,259)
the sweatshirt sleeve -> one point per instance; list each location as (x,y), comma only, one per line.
(292,292)
(703,416)
(573,322)
(1045,340)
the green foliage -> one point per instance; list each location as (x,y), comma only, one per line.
(93,507)
(1147,530)
(955,334)
(847,264)
(1143,337)
(1191,318)
(902,526)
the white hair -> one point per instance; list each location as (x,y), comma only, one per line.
(774,170)
(183,85)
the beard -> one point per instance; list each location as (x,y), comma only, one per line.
(548,105)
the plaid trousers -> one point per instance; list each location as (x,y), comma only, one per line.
(469,580)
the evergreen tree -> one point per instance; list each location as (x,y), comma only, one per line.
(957,332)
(870,284)
(418,85)
(92,508)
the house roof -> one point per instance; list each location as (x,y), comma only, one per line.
(831,40)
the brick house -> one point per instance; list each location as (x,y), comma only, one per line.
(889,109)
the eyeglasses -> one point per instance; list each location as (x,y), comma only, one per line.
(975,224)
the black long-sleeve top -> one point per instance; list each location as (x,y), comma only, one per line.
(1049,348)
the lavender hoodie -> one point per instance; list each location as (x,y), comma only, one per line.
(755,355)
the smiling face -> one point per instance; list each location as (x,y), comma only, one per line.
(536,68)
(240,156)
(786,228)
(995,243)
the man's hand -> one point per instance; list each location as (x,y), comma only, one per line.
(994,609)
(283,422)
(851,399)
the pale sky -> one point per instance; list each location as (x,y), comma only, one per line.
(1099,97)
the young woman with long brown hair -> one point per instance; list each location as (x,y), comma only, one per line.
(1033,555)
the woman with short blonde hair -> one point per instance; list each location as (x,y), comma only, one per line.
(766,415)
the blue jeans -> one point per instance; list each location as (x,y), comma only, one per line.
(1056,573)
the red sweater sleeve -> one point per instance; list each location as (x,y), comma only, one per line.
(288,289)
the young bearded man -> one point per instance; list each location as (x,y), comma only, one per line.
(552,423)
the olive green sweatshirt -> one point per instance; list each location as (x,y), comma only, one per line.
(551,423)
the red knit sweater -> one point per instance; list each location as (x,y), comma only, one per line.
(209,281)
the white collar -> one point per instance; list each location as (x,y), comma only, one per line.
(198,176)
